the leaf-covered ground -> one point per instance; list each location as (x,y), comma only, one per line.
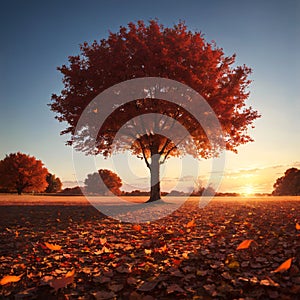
(75,252)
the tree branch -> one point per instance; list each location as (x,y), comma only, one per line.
(174,147)
(165,146)
(144,154)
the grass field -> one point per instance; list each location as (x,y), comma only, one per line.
(190,254)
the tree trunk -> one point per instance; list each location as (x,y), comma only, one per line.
(155,180)
(19,190)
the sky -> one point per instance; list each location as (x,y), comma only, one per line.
(37,37)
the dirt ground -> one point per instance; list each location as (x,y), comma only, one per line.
(190,254)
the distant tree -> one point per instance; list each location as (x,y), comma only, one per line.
(200,190)
(209,191)
(72,191)
(198,187)
(111,181)
(155,51)
(176,193)
(136,193)
(54,184)
(22,173)
(289,184)
(140,193)
(228,194)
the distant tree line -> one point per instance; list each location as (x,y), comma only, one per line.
(22,173)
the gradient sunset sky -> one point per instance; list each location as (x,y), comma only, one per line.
(37,36)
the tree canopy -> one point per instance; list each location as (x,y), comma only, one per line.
(54,184)
(153,50)
(22,173)
(111,182)
(289,184)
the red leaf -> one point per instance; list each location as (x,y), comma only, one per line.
(137,227)
(9,279)
(52,246)
(191,224)
(103,240)
(176,261)
(244,245)
(64,281)
(284,266)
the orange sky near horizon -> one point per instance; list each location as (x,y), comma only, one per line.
(249,179)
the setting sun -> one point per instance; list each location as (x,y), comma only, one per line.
(248,190)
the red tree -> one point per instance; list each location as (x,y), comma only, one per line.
(111,181)
(156,51)
(22,173)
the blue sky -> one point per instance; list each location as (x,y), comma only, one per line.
(36,37)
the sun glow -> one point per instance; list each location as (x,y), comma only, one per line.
(248,190)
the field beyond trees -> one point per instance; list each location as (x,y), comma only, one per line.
(63,248)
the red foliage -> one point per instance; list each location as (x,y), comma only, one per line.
(111,182)
(22,173)
(156,51)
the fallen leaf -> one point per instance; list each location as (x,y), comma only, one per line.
(297,226)
(284,266)
(233,265)
(226,275)
(201,272)
(124,269)
(174,288)
(137,227)
(163,248)
(148,251)
(9,279)
(148,286)
(102,279)
(58,283)
(135,296)
(255,265)
(116,287)
(191,224)
(231,262)
(86,270)
(105,250)
(176,262)
(245,264)
(244,245)
(46,280)
(52,246)
(211,289)
(26,294)
(103,295)
(103,240)
(268,282)
(131,280)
